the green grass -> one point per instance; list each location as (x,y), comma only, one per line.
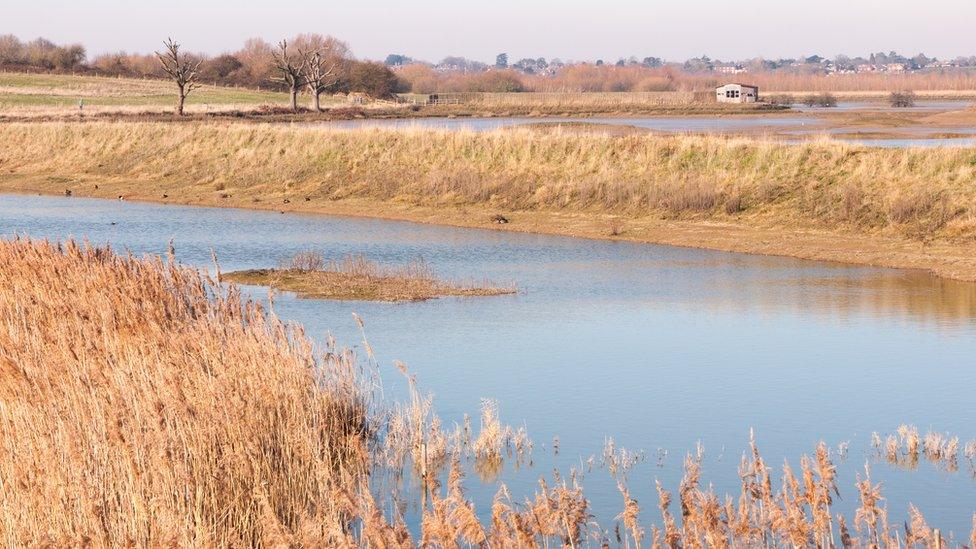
(49,90)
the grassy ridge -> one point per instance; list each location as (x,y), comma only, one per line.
(918,193)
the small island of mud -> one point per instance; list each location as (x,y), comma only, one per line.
(354,278)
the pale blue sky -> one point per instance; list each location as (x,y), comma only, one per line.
(569,29)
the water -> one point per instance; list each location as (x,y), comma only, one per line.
(658,347)
(668,124)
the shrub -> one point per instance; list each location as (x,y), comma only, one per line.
(374,79)
(496,81)
(307,260)
(902,100)
(820,100)
(783,99)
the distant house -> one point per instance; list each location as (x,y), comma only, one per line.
(730,69)
(737,93)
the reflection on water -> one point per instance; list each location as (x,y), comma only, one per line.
(657,347)
(670,124)
(911,295)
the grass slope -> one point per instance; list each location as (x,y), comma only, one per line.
(903,203)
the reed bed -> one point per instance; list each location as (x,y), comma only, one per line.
(143,404)
(918,193)
(619,100)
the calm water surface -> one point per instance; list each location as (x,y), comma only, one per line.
(657,347)
(670,124)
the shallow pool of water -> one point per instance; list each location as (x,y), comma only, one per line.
(670,124)
(658,347)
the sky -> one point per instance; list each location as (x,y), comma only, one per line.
(567,29)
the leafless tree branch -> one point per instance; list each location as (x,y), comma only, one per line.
(181,70)
(320,74)
(289,70)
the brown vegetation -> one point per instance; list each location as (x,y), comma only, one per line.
(901,207)
(357,279)
(143,405)
(588,78)
(147,406)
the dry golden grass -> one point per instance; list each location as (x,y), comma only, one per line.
(143,405)
(619,100)
(44,96)
(354,278)
(915,193)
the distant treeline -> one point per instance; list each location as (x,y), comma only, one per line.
(585,78)
(250,66)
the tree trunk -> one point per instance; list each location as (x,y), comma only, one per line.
(294,99)
(315,101)
(180,99)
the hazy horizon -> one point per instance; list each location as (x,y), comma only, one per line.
(433,29)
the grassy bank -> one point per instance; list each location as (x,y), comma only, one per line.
(53,94)
(143,405)
(355,278)
(823,200)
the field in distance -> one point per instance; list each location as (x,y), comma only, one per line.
(55,93)
(24,96)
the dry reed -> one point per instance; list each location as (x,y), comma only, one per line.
(143,404)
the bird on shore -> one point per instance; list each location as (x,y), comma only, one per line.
(67,192)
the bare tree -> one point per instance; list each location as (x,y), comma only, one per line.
(290,71)
(181,69)
(320,75)
(324,63)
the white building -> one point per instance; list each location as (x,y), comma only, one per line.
(737,93)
